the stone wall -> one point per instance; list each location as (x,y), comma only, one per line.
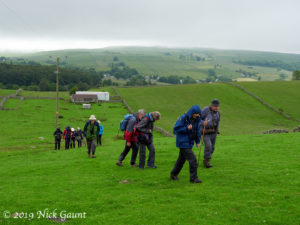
(265,103)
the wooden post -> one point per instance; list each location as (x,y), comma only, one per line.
(57,90)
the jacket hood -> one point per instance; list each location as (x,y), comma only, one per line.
(194,109)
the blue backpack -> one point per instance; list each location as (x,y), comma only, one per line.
(123,123)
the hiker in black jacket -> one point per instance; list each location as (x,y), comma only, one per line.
(57,137)
(79,137)
(145,138)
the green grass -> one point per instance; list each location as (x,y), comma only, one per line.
(12,103)
(240,113)
(63,94)
(5,92)
(282,95)
(253,180)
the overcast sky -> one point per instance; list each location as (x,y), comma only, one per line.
(267,25)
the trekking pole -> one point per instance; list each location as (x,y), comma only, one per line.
(201,143)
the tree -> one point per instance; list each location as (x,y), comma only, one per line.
(211,73)
(73,90)
(44,84)
(115,59)
(83,86)
(296,75)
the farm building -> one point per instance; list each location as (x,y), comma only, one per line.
(101,96)
(84,98)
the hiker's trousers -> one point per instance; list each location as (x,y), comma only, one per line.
(91,145)
(186,154)
(72,144)
(67,143)
(209,142)
(151,157)
(79,142)
(99,142)
(57,143)
(135,148)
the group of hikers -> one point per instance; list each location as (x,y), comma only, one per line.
(190,128)
(71,136)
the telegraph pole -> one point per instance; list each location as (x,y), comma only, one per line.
(57,90)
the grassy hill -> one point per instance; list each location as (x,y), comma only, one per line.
(282,95)
(253,181)
(172,61)
(240,113)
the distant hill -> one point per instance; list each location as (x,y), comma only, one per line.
(197,63)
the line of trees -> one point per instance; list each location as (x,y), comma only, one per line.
(276,64)
(173,79)
(43,78)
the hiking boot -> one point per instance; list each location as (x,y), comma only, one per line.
(134,165)
(119,163)
(196,181)
(209,163)
(173,177)
(153,167)
(142,168)
(206,163)
(89,155)
(93,156)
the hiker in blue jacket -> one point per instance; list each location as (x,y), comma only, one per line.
(187,130)
(99,136)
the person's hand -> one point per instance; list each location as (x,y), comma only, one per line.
(197,145)
(205,123)
(190,127)
(128,144)
(150,131)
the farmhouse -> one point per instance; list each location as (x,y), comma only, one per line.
(101,96)
(84,98)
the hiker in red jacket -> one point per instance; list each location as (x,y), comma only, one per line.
(67,137)
(130,136)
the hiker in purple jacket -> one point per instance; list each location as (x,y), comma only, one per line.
(145,138)
(210,114)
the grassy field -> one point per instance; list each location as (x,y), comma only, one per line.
(5,92)
(63,94)
(282,95)
(170,61)
(12,103)
(240,113)
(255,179)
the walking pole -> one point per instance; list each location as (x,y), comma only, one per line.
(201,143)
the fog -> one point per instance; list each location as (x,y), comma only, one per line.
(264,25)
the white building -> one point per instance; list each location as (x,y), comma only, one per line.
(102,96)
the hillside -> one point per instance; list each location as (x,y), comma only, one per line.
(282,95)
(252,182)
(181,62)
(240,112)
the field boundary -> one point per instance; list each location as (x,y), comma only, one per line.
(22,98)
(156,128)
(5,98)
(263,102)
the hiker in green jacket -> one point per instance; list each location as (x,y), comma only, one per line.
(91,129)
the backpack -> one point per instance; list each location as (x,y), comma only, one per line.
(124,122)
